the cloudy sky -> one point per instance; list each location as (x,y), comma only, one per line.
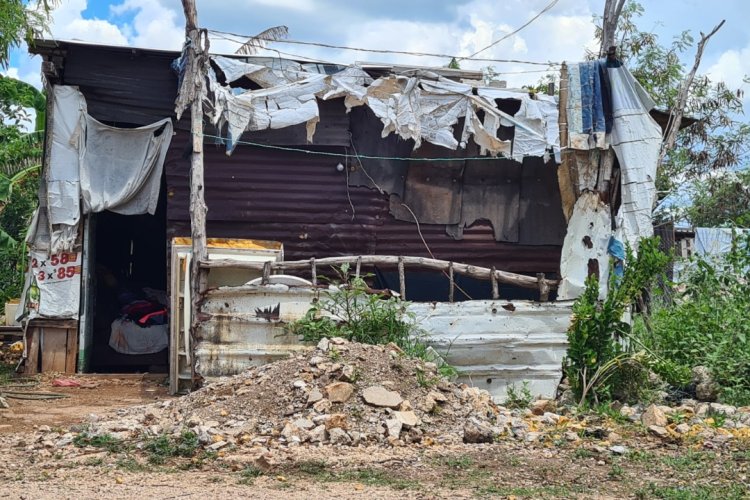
(436,26)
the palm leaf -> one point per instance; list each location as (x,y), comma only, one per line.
(252,45)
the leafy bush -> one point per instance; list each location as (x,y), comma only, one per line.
(706,325)
(596,351)
(350,310)
(163,447)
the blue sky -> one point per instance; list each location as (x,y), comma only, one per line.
(458,26)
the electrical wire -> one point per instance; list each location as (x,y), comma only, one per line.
(505,37)
(386,51)
(366,157)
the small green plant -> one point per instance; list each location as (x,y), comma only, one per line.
(349,310)
(596,353)
(249,474)
(615,472)
(518,398)
(106,441)
(582,454)
(130,464)
(460,462)
(164,447)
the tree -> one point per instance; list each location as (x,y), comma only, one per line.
(721,200)
(21,21)
(717,141)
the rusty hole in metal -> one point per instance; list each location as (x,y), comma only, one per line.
(509,307)
(593,268)
(587,242)
(489,380)
(494,310)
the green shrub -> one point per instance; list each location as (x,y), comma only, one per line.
(163,447)
(706,325)
(351,311)
(598,363)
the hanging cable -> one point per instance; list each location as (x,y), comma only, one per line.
(401,52)
(505,37)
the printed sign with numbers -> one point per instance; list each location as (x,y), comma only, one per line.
(56,267)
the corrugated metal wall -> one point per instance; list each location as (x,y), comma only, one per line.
(296,198)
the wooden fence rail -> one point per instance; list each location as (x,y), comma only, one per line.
(539,282)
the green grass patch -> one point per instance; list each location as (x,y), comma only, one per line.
(694,492)
(163,447)
(105,441)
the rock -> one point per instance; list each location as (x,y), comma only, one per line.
(653,416)
(317,360)
(339,436)
(701,409)
(348,373)
(322,406)
(381,397)
(299,384)
(338,341)
(618,450)
(614,437)
(304,423)
(317,434)
(478,432)
(405,406)
(314,396)
(727,410)
(409,419)
(4,404)
(542,406)
(340,392)
(437,396)
(705,387)
(324,344)
(567,398)
(532,437)
(572,436)
(394,427)
(217,445)
(682,428)
(45,428)
(336,421)
(658,430)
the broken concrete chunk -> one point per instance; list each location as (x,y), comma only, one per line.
(304,423)
(380,396)
(409,419)
(394,426)
(324,344)
(336,421)
(478,432)
(348,373)
(653,416)
(658,430)
(314,396)
(339,436)
(339,392)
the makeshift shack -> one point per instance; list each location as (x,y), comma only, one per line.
(453,194)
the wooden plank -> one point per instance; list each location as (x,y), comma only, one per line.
(71,351)
(32,350)
(54,349)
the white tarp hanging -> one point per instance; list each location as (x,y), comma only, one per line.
(420,105)
(121,168)
(109,168)
(636,139)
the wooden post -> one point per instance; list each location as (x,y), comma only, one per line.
(313,272)
(401,277)
(543,287)
(359,266)
(192,91)
(266,273)
(452,284)
(493,281)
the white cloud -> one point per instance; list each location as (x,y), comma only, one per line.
(154,25)
(69,24)
(298,5)
(731,68)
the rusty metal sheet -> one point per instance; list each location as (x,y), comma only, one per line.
(541,217)
(491,191)
(493,347)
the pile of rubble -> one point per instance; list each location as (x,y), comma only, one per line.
(340,393)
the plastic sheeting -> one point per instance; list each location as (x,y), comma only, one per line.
(128,338)
(121,168)
(419,106)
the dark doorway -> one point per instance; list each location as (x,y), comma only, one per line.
(130,323)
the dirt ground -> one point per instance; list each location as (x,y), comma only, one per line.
(650,468)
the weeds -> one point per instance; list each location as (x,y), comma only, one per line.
(518,398)
(249,474)
(106,441)
(164,447)
(351,311)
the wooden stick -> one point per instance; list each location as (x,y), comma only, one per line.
(266,273)
(314,272)
(452,283)
(401,277)
(543,287)
(359,266)
(493,281)
(477,272)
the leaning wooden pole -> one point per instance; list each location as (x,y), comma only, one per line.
(192,91)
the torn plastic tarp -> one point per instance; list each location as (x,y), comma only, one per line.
(419,106)
(636,139)
(121,168)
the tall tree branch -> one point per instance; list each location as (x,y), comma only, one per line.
(678,110)
(612,11)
